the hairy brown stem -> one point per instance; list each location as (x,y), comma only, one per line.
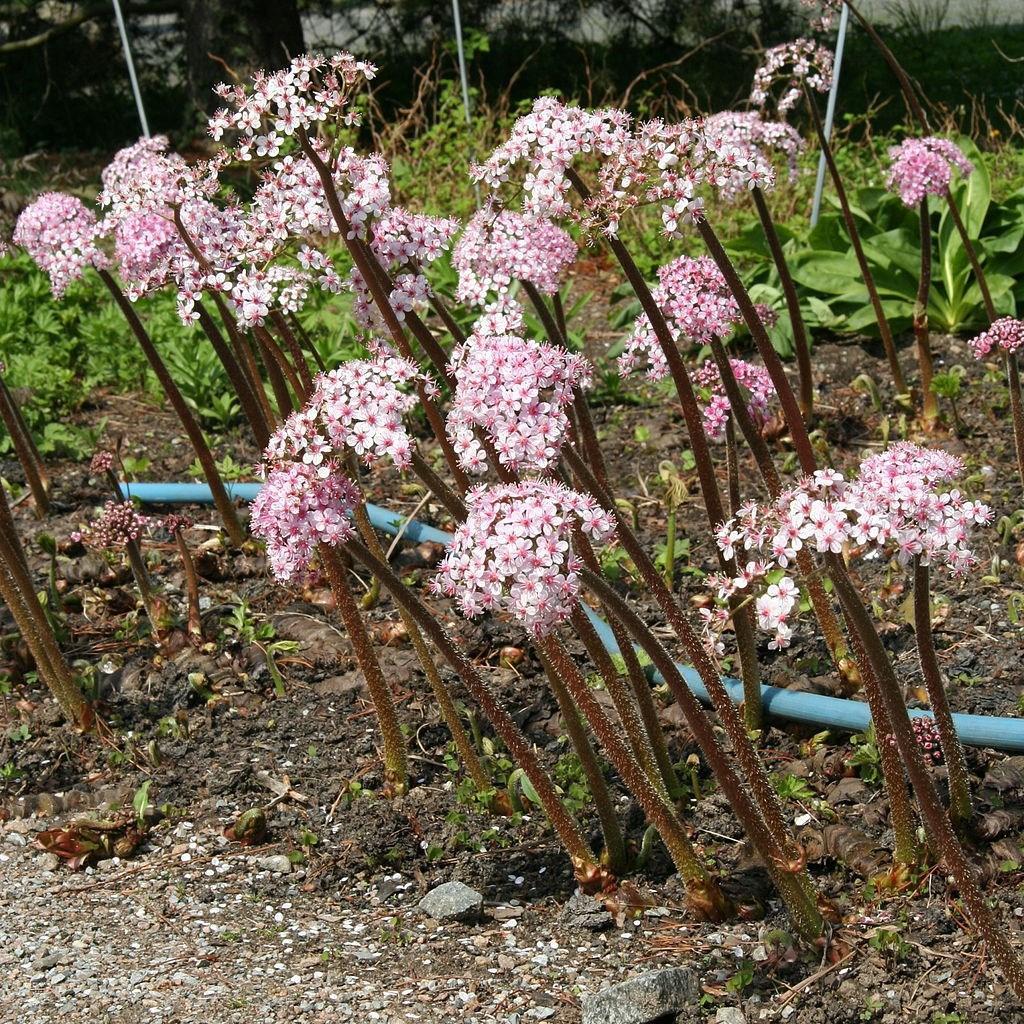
(884,330)
(395,754)
(1016,408)
(558,669)
(781,860)
(702,891)
(298,357)
(188,567)
(275,374)
(622,698)
(901,811)
(750,673)
(929,400)
(246,359)
(25,449)
(588,873)
(936,821)
(228,513)
(960,806)
(251,406)
(796,319)
(747,756)
(18,591)
(445,702)
(311,348)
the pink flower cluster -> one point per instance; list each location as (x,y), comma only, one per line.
(299,507)
(894,506)
(746,129)
(514,552)
(826,13)
(404,244)
(359,406)
(177,522)
(800,61)
(697,304)
(499,248)
(115,527)
(655,162)
(516,391)
(548,139)
(926,732)
(312,89)
(755,381)
(59,232)
(1006,334)
(147,176)
(924,167)
(144,245)
(101,462)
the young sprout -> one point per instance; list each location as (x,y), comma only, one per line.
(119,527)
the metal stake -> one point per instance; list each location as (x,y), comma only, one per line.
(131,68)
(830,111)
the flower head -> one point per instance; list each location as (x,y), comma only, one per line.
(514,552)
(896,505)
(1006,334)
(359,406)
(799,62)
(499,248)
(313,88)
(117,525)
(924,167)
(59,232)
(747,131)
(754,380)
(515,391)
(297,509)
(697,304)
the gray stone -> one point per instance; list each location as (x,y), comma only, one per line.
(48,862)
(643,999)
(452,901)
(730,1015)
(583,911)
(278,863)
(16,839)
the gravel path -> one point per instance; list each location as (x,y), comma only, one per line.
(195,929)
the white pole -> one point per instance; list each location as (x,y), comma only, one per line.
(462,59)
(460,47)
(131,68)
(830,111)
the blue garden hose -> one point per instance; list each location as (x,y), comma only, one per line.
(806,708)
